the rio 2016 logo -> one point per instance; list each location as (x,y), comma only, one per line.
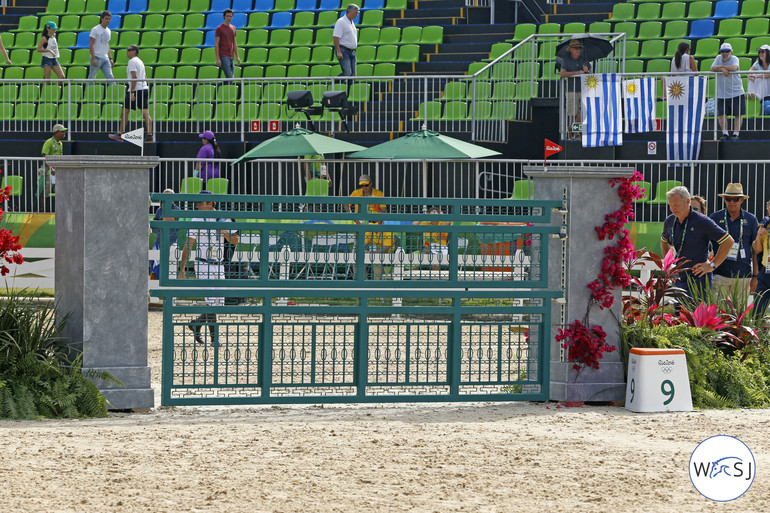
(722,468)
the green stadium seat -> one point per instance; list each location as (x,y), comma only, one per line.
(159,6)
(706,48)
(174,22)
(454,91)
(19,56)
(730,28)
(369,36)
(6,111)
(95,6)
(270,111)
(248,112)
(323,37)
(298,70)
(479,90)
(548,28)
(360,92)
(327,18)
(179,112)
(275,71)
(186,72)
(27,24)
(252,92)
(526,90)
(90,112)
(154,22)
(658,66)
(128,38)
(649,30)
(29,93)
(132,22)
(599,27)
(8,39)
(574,27)
(699,10)
(258,37)
(70,23)
(76,6)
(372,18)
(25,111)
(739,44)
(50,93)
(258,20)
(300,55)
(429,111)
(273,92)
(647,11)
(672,45)
(320,70)
(632,49)
(182,93)
(411,35)
(409,53)
(756,27)
(752,9)
(455,111)
(256,56)
(673,11)
(395,5)
(277,55)
(196,6)
(432,34)
(207,93)
(323,55)
(8,92)
(94,93)
(192,38)
(164,72)
(476,67)
(190,56)
(522,32)
(161,93)
(302,37)
(68,111)
(284,5)
(171,39)
(112,112)
(304,19)
(252,71)
(754,45)
(194,21)
(387,53)
(33,73)
(621,12)
(57,7)
(628,27)
(363,70)
(150,39)
(280,37)
(676,29)
(652,49)
(498,49)
(503,90)
(224,111)
(73,73)
(634,66)
(661,189)
(390,35)
(27,40)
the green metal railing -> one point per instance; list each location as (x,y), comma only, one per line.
(318,308)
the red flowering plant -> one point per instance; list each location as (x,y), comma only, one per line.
(646,301)
(586,345)
(730,333)
(9,243)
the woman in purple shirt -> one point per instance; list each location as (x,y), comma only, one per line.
(210,150)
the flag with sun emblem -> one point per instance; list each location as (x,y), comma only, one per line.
(602,125)
(639,96)
(686,105)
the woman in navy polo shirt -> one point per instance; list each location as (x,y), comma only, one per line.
(688,233)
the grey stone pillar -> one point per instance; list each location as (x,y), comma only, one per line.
(101,268)
(589,198)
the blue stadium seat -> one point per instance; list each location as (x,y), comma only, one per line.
(725,9)
(281,20)
(305,5)
(219,6)
(83,40)
(213,20)
(117,7)
(377,5)
(136,6)
(701,29)
(209,42)
(329,5)
(243,6)
(115,21)
(240,20)
(263,5)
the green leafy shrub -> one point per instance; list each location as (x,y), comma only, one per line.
(36,380)
(717,379)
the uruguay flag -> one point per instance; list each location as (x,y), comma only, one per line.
(601,110)
(639,99)
(686,104)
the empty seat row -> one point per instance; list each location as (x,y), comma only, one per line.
(482,90)
(697,10)
(462,111)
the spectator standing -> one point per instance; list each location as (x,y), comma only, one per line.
(99,46)
(4,52)
(729,91)
(575,64)
(155,264)
(698,204)
(682,61)
(49,47)
(688,233)
(225,46)
(761,247)
(46,175)
(209,150)
(759,83)
(346,41)
(137,94)
(740,266)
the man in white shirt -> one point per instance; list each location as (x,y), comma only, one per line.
(730,95)
(346,41)
(137,95)
(208,258)
(99,46)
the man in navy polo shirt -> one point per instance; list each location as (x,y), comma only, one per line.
(761,247)
(741,263)
(688,233)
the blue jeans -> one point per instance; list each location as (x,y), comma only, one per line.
(102,63)
(348,62)
(227,66)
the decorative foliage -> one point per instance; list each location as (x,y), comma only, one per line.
(586,345)
(9,243)
(646,305)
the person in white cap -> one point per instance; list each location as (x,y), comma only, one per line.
(729,91)
(45,174)
(137,94)
(759,83)
(741,265)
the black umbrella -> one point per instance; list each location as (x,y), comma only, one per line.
(594,47)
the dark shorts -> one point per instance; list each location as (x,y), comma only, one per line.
(735,106)
(47,61)
(142,95)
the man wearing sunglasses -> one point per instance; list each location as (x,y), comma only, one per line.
(731,100)
(741,263)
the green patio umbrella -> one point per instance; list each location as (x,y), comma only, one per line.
(424,144)
(298,142)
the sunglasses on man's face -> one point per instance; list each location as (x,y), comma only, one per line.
(366,185)
(733,200)
(724,51)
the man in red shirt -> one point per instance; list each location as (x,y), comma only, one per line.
(225,46)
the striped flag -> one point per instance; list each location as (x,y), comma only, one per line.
(686,105)
(600,96)
(639,99)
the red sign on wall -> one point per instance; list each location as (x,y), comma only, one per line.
(274,126)
(255,126)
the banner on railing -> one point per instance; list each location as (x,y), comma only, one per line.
(686,99)
(639,98)
(602,110)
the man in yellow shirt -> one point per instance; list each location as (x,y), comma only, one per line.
(366,189)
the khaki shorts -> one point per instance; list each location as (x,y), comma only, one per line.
(573,106)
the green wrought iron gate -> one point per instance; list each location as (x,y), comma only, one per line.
(322,306)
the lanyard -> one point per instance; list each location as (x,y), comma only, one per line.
(740,222)
(684,233)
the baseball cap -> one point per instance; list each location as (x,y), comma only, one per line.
(726,47)
(208,134)
(51,25)
(364,179)
(765,48)
(58,127)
